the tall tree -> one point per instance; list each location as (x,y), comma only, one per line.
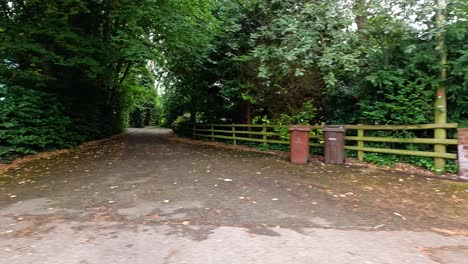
(361,18)
(82,54)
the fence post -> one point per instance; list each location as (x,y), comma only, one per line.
(360,144)
(234,141)
(212,133)
(439,163)
(264,134)
(194,132)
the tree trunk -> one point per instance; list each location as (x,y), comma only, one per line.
(193,116)
(246,112)
(360,11)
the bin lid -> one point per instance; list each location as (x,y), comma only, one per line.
(334,129)
(299,128)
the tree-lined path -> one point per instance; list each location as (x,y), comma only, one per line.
(147,198)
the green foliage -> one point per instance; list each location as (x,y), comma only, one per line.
(98,60)
(32,121)
(391,160)
(380,159)
(306,38)
(340,106)
(304,116)
(143,105)
(457,84)
(396,97)
(182,126)
(279,147)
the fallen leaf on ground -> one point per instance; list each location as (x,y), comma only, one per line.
(402,217)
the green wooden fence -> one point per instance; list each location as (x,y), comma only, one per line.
(277,134)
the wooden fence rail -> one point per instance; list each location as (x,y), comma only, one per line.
(278,134)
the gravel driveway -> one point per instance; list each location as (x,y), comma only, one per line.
(146,197)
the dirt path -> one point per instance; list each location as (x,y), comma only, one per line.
(146,198)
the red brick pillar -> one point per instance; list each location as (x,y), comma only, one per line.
(463,152)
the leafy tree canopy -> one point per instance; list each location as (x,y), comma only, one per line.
(107,64)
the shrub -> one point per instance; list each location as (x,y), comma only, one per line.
(32,121)
(182,126)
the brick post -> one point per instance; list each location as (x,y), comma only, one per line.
(463,153)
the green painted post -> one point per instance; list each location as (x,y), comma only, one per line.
(265,136)
(440,109)
(360,144)
(212,133)
(439,163)
(234,141)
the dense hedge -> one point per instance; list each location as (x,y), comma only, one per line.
(33,121)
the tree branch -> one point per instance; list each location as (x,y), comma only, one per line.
(127,69)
